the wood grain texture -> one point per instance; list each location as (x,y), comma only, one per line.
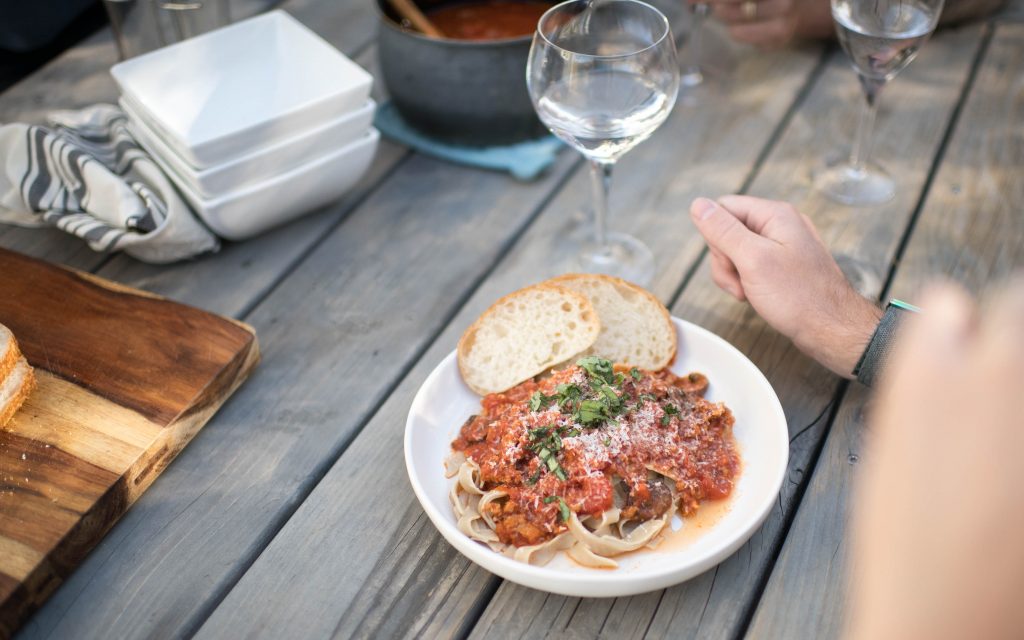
(353,315)
(915,114)
(35,293)
(970,229)
(405,580)
(124,380)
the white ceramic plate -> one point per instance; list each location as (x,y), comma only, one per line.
(258,166)
(257,207)
(444,402)
(246,86)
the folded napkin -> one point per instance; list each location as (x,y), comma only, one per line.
(87,176)
(524,160)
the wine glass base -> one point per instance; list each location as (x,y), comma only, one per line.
(855,186)
(691,78)
(625,257)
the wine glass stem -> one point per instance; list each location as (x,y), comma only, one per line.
(601,174)
(699,11)
(865,130)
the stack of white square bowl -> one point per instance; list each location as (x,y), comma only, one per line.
(256,123)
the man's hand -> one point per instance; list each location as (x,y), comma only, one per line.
(770,255)
(939,515)
(774,23)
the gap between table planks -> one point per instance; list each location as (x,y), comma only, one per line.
(402,241)
(969,229)
(717,603)
(403,576)
(492,179)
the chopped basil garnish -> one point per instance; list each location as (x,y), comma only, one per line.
(547,441)
(635,373)
(539,401)
(592,413)
(562,507)
(598,368)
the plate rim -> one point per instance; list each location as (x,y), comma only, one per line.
(600,583)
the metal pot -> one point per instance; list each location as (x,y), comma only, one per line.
(460,91)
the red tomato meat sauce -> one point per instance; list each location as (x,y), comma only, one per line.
(591,436)
(489,19)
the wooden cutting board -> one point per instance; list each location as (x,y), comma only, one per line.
(124,380)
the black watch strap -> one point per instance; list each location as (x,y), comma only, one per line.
(876,354)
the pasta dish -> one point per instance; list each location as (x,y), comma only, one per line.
(593,460)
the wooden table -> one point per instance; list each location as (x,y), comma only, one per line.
(290,515)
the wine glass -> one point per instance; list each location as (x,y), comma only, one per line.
(880,37)
(692,74)
(603,75)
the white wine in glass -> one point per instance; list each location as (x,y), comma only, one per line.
(603,75)
(880,37)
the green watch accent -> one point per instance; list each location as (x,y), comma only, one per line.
(904,305)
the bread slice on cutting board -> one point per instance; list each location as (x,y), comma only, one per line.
(636,329)
(17,380)
(523,334)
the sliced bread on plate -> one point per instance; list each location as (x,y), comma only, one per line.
(523,334)
(636,329)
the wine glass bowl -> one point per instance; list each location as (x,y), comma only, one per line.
(603,76)
(880,37)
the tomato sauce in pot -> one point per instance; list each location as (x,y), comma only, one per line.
(488,20)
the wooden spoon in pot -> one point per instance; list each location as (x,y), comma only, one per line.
(408,10)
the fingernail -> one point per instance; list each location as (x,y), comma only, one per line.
(703,208)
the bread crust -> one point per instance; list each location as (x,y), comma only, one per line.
(28,384)
(468,337)
(619,282)
(10,356)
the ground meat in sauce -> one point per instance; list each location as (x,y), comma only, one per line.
(667,432)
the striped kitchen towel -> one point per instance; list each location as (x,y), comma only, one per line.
(86,175)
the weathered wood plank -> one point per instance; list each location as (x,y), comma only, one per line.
(400,577)
(52,245)
(970,229)
(1011,11)
(915,114)
(345,327)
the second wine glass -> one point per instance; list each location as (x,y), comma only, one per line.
(692,74)
(880,37)
(603,76)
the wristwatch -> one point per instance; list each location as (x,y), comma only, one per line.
(875,355)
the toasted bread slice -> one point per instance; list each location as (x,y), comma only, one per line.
(523,334)
(9,352)
(636,329)
(14,389)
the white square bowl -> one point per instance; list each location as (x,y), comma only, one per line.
(264,164)
(247,86)
(258,207)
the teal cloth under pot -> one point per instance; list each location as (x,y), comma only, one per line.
(524,160)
